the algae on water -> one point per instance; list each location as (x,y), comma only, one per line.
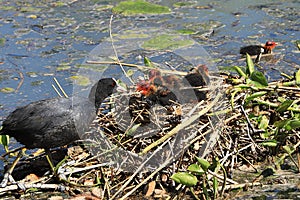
(139,7)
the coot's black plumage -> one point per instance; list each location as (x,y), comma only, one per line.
(198,77)
(56,122)
(258,49)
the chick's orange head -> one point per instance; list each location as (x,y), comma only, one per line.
(270,45)
(146,88)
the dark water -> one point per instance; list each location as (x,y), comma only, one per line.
(45,40)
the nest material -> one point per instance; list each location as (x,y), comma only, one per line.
(140,124)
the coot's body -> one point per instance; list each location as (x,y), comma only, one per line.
(252,50)
(258,49)
(56,122)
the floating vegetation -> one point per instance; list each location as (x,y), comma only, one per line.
(59,4)
(2,41)
(63,67)
(7,90)
(139,7)
(32,74)
(80,80)
(99,68)
(103,7)
(166,41)
(7,8)
(183,4)
(132,35)
(36,83)
(30,9)
(186,31)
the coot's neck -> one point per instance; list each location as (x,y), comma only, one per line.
(93,93)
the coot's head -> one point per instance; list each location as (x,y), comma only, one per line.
(270,45)
(101,90)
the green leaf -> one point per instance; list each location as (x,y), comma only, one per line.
(132,129)
(130,72)
(215,186)
(185,178)
(264,122)
(196,169)
(244,86)
(31,190)
(240,71)
(259,77)
(297,77)
(236,81)
(281,99)
(233,95)
(255,85)
(281,124)
(4,140)
(288,149)
(250,65)
(270,143)
(148,62)
(266,135)
(254,96)
(204,163)
(290,83)
(215,166)
(292,124)
(60,163)
(284,106)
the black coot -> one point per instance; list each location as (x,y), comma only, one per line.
(258,49)
(56,122)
